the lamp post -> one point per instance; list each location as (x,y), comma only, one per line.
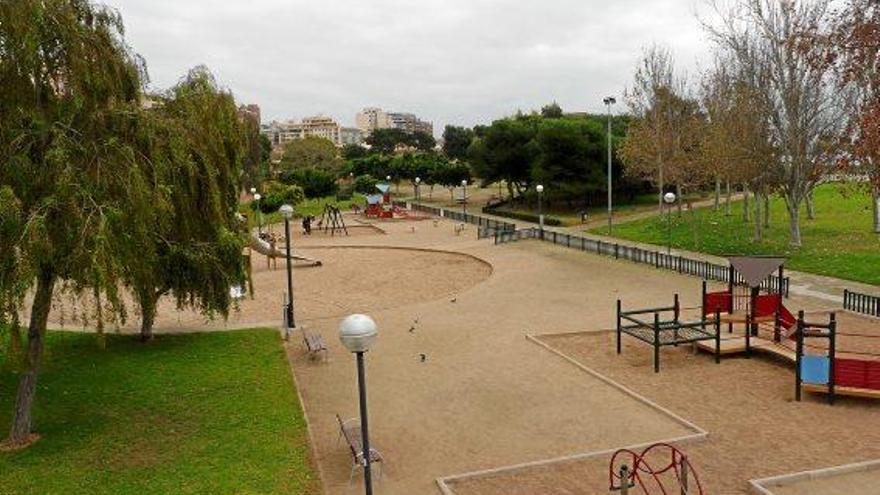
(609,100)
(287,212)
(257,198)
(418,181)
(464,196)
(357,333)
(669,199)
(253,191)
(540,189)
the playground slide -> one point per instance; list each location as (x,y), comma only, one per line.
(263,247)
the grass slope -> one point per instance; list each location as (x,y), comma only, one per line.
(201,413)
(838,243)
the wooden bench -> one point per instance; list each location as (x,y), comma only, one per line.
(314,344)
(350,430)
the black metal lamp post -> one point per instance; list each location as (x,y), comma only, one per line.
(540,189)
(608,102)
(669,199)
(418,183)
(357,333)
(287,212)
(464,196)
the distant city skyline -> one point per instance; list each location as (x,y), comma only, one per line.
(460,62)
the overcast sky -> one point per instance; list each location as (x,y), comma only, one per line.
(462,62)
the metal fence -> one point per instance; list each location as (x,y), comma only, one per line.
(861,303)
(681,264)
(488,227)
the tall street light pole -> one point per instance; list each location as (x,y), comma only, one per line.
(418,182)
(608,102)
(357,333)
(287,212)
(540,189)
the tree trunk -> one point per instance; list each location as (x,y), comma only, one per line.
(766,211)
(745,204)
(660,195)
(727,204)
(794,223)
(148,300)
(811,213)
(759,235)
(717,193)
(20,432)
(876,200)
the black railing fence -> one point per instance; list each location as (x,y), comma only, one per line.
(488,227)
(681,264)
(861,303)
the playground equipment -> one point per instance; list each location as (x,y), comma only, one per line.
(743,303)
(381,206)
(664,332)
(271,252)
(827,373)
(331,220)
(660,468)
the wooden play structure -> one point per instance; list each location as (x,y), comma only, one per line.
(658,469)
(824,372)
(755,302)
(381,206)
(665,328)
(332,221)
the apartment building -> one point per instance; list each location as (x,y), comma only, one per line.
(280,133)
(372,118)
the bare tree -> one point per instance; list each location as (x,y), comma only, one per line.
(645,151)
(797,100)
(854,50)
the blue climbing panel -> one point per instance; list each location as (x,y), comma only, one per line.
(815,369)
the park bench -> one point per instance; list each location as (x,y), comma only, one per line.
(314,343)
(350,430)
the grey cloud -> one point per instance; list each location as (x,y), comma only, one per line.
(449,61)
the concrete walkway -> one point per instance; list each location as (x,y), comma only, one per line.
(806,284)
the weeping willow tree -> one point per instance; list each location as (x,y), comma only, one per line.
(191,144)
(100,191)
(68,84)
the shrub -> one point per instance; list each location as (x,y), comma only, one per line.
(365,184)
(314,182)
(278,194)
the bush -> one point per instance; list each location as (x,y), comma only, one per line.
(345,193)
(278,194)
(315,183)
(365,184)
(526,217)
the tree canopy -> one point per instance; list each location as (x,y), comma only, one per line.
(311,152)
(456,141)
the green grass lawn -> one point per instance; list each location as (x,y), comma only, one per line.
(838,243)
(313,207)
(201,413)
(568,217)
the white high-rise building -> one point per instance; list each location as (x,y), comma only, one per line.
(372,118)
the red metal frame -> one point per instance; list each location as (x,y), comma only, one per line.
(642,472)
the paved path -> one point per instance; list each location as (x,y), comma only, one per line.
(807,284)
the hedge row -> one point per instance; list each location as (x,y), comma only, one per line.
(524,216)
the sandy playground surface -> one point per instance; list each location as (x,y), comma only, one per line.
(485,397)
